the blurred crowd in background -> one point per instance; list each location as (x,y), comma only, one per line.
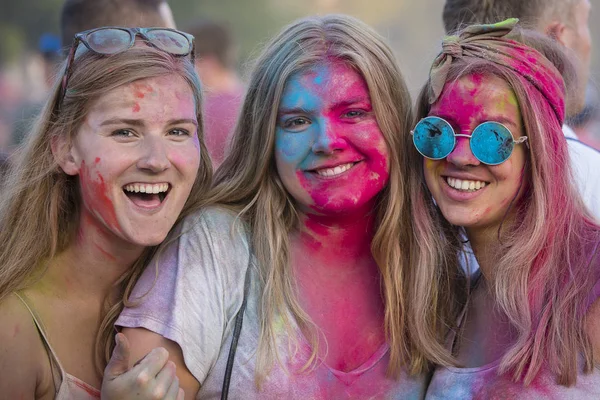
(228,33)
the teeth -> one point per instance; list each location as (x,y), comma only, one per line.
(335,171)
(147,188)
(465,185)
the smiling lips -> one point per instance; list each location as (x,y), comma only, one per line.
(465,185)
(333,171)
(147,195)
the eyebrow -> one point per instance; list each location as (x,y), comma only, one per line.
(140,123)
(349,102)
(340,104)
(496,118)
(292,110)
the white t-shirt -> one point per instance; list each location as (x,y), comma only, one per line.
(585,163)
(194,301)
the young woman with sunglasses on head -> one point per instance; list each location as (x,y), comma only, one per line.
(116,155)
(490,173)
(311,203)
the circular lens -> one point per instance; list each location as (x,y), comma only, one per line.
(170,41)
(434,138)
(492,143)
(109,40)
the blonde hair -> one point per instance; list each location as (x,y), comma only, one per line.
(39,210)
(546,257)
(248,182)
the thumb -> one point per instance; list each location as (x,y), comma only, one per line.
(119,361)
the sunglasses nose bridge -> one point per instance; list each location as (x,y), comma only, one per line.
(462,154)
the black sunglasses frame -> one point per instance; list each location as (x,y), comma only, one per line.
(81,37)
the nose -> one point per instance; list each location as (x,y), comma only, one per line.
(154,155)
(462,155)
(329,138)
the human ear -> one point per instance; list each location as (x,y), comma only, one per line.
(559,32)
(64,155)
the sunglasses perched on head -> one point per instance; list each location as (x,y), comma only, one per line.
(491,142)
(113,40)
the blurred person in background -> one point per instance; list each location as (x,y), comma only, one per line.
(587,123)
(47,60)
(81,15)
(216,58)
(566,21)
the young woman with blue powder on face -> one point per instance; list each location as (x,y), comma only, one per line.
(310,211)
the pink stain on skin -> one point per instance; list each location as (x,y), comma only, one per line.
(466,103)
(95,193)
(326,121)
(334,125)
(136,107)
(142,89)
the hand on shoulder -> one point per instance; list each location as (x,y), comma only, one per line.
(156,375)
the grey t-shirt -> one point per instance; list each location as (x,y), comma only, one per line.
(193,300)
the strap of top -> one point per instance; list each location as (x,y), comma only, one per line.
(451,340)
(56,368)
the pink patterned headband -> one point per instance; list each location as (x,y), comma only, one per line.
(490,42)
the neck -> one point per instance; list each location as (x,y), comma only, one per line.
(91,265)
(484,243)
(338,240)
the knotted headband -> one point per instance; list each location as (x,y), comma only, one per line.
(490,42)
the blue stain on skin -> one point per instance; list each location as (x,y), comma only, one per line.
(305,103)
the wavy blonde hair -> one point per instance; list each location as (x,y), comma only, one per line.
(546,257)
(39,209)
(248,183)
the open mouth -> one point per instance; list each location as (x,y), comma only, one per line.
(334,171)
(465,185)
(147,195)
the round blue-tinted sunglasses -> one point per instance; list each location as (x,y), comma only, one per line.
(491,142)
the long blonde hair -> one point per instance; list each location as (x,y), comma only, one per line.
(248,182)
(39,209)
(546,259)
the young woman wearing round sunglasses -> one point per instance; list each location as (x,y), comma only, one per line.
(490,175)
(311,202)
(115,156)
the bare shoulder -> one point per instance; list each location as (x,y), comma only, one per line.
(142,341)
(24,364)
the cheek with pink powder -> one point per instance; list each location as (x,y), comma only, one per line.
(364,138)
(95,193)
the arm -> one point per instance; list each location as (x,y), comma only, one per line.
(151,377)
(592,327)
(142,341)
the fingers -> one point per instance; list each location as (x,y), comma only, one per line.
(174,391)
(181,394)
(119,361)
(164,382)
(153,377)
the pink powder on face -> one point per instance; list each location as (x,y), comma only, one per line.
(142,89)
(95,194)
(136,107)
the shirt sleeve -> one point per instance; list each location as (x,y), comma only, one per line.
(191,292)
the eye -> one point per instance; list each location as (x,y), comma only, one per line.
(179,132)
(354,113)
(123,133)
(295,124)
